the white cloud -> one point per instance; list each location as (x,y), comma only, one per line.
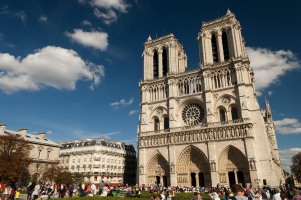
(270,93)
(286,157)
(47,67)
(95,39)
(122,103)
(43,19)
(288,126)
(107,9)
(132,112)
(269,65)
(86,23)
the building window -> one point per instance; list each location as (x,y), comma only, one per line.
(156,65)
(234,113)
(214,49)
(193,114)
(48,154)
(166,123)
(225,46)
(39,153)
(157,124)
(222,115)
(164,62)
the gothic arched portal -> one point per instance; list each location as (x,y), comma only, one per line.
(193,168)
(233,167)
(158,171)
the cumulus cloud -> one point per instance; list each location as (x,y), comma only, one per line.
(122,103)
(132,112)
(95,39)
(286,157)
(269,65)
(86,23)
(43,19)
(47,67)
(288,126)
(106,10)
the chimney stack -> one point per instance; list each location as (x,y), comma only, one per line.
(23,132)
(2,128)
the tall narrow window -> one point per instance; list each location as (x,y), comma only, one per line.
(222,115)
(166,123)
(157,124)
(156,65)
(164,62)
(214,49)
(48,154)
(39,153)
(234,113)
(225,46)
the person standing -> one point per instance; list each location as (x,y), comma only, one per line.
(29,188)
(276,196)
(100,187)
(36,191)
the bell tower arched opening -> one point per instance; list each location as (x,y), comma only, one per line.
(225,46)
(155,65)
(164,62)
(214,48)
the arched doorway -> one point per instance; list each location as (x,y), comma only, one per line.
(193,168)
(233,167)
(158,171)
(193,179)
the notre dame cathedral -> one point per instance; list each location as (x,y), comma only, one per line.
(204,127)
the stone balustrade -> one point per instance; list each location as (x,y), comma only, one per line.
(191,134)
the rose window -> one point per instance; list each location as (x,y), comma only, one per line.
(193,114)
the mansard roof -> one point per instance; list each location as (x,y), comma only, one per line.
(32,138)
(99,142)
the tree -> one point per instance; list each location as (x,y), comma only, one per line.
(296,166)
(57,174)
(14,157)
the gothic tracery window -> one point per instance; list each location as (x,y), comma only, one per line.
(193,114)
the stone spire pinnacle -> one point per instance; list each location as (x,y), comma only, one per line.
(268,109)
(149,38)
(228,12)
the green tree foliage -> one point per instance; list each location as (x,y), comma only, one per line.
(296,166)
(14,157)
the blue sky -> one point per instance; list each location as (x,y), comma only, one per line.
(71,68)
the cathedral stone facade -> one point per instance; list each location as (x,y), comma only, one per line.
(204,127)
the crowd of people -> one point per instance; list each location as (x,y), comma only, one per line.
(156,192)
